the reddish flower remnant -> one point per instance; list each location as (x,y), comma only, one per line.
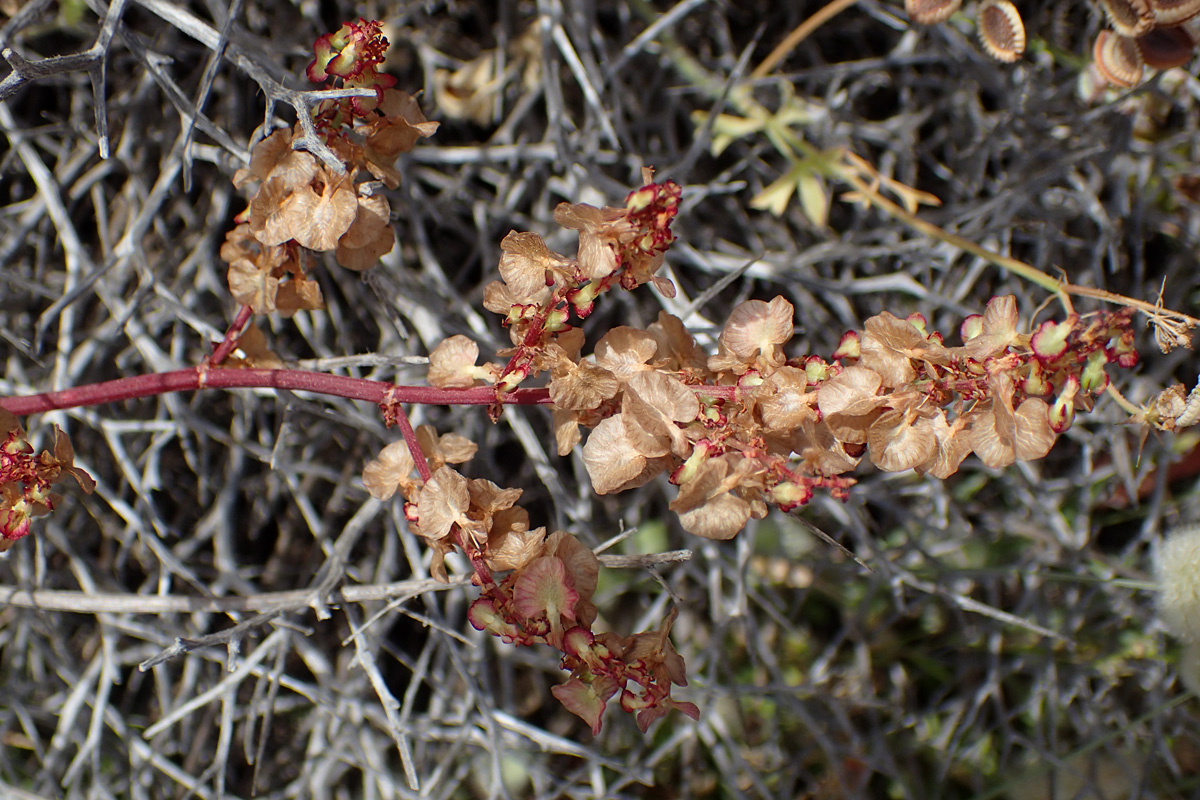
(26,478)
(351,54)
(548,601)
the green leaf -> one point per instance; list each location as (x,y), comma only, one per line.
(814,199)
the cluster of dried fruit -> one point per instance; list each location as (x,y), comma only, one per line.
(1145,33)
(747,426)
(546,598)
(302,204)
(736,431)
(26,478)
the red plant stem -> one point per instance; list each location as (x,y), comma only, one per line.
(378,392)
(414,445)
(231,336)
(483,574)
(187,380)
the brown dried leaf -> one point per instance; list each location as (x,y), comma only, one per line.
(499,298)
(853,391)
(524,259)
(706,506)
(253,343)
(625,351)
(370,220)
(756,330)
(442,502)
(389,471)
(263,158)
(900,440)
(999,436)
(650,432)
(889,345)
(784,400)
(295,169)
(820,451)
(9,423)
(488,498)
(402,113)
(449,448)
(367,256)
(581,387)
(269,220)
(64,457)
(252,286)
(511,545)
(395,133)
(999,329)
(668,396)
(610,457)
(1034,436)
(452,362)
(298,294)
(676,347)
(583,217)
(597,256)
(318,221)
(953,445)
(566,430)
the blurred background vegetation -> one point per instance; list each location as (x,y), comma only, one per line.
(1001,640)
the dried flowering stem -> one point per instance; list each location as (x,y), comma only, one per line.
(393,410)
(303,204)
(738,431)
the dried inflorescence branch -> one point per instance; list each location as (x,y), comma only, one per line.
(546,595)
(301,204)
(542,290)
(26,478)
(748,427)
(738,431)
(762,429)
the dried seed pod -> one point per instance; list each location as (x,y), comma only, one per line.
(1174,12)
(931,12)
(1130,17)
(1001,30)
(1117,59)
(1164,48)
